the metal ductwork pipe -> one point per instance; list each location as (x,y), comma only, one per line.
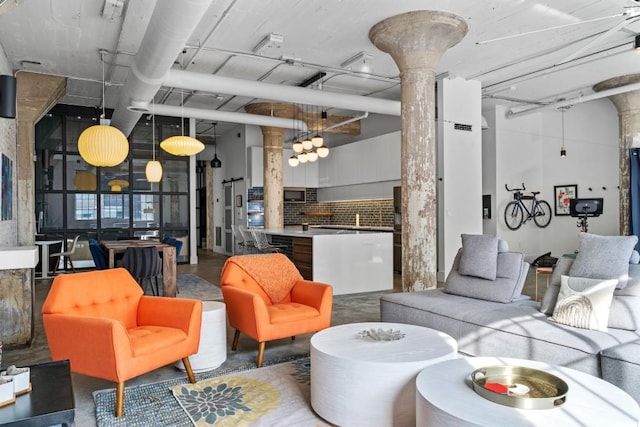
(222,116)
(294,94)
(170,27)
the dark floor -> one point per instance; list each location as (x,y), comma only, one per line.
(346,309)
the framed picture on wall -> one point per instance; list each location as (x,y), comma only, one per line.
(563,195)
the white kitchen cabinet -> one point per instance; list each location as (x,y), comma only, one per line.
(303,175)
(255,166)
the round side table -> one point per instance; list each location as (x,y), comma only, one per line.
(213,339)
(445,395)
(359,381)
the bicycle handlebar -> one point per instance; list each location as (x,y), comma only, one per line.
(515,189)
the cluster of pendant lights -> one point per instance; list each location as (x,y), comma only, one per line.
(309,149)
(105,146)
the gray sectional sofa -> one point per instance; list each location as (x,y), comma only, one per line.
(521,328)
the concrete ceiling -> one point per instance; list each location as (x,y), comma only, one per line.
(63,37)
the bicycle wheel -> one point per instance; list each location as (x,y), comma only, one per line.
(513,215)
(542,214)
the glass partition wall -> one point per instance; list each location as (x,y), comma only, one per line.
(75,198)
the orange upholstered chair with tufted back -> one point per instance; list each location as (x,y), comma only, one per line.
(107,328)
(267,299)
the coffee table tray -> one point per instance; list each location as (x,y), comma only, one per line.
(519,387)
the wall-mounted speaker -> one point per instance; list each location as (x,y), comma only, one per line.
(7,97)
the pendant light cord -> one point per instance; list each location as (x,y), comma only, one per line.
(153,127)
(104,115)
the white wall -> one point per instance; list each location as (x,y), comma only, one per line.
(459,167)
(8,228)
(528,150)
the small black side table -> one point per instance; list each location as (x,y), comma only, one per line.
(50,401)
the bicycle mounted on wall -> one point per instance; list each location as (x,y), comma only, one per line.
(539,210)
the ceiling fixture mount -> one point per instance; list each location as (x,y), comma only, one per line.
(103,145)
(358,62)
(269,41)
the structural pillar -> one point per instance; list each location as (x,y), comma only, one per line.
(36,94)
(272,143)
(628,106)
(416,41)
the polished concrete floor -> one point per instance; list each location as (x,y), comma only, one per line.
(346,309)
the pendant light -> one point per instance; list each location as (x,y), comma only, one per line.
(103,145)
(153,170)
(215,163)
(181,145)
(563,149)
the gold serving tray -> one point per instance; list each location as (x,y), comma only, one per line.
(526,388)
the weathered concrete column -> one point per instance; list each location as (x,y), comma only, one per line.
(628,106)
(273,142)
(36,94)
(416,41)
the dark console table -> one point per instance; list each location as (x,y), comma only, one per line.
(50,401)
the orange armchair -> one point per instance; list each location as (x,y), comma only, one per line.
(107,328)
(267,299)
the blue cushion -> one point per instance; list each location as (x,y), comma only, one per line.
(99,255)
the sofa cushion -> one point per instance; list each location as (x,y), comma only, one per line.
(604,257)
(635,257)
(479,256)
(624,313)
(584,303)
(511,272)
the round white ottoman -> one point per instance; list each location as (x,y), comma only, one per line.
(357,381)
(213,339)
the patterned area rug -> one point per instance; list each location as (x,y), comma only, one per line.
(276,395)
(271,396)
(192,286)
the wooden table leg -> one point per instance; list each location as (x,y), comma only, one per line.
(169,271)
(112,258)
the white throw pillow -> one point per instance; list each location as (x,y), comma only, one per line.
(584,303)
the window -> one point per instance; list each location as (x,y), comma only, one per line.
(85,207)
(115,206)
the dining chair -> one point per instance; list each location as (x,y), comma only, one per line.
(99,255)
(144,263)
(247,239)
(168,240)
(262,243)
(239,240)
(67,256)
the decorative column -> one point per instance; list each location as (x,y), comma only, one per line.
(272,141)
(416,41)
(628,106)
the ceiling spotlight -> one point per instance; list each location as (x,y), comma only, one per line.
(269,41)
(358,62)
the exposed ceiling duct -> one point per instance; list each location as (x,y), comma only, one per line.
(222,116)
(169,29)
(275,92)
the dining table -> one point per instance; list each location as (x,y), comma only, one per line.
(169,287)
(44,244)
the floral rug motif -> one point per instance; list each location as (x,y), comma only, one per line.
(275,395)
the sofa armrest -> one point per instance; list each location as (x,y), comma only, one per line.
(180,313)
(246,310)
(95,346)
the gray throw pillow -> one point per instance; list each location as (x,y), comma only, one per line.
(604,257)
(550,297)
(479,256)
(584,303)
(635,257)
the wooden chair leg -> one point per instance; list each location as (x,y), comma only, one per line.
(293,338)
(119,399)
(55,266)
(260,353)
(71,263)
(236,337)
(187,367)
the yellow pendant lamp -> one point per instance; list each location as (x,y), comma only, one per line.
(118,184)
(181,145)
(103,145)
(153,170)
(85,181)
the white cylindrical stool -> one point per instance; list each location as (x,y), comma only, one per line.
(213,339)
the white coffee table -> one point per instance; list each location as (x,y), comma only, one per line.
(445,395)
(213,339)
(360,382)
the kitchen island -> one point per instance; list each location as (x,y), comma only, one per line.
(350,260)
